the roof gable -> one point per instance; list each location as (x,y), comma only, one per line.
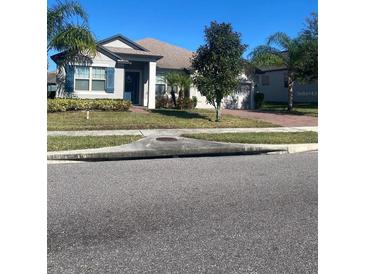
(120,41)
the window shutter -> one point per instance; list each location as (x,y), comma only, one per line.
(110,80)
(69,81)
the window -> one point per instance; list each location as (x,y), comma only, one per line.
(265,80)
(160,85)
(98,78)
(82,75)
(286,80)
(160,89)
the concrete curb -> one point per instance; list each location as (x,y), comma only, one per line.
(150,147)
(176,132)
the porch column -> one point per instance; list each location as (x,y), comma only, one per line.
(151,85)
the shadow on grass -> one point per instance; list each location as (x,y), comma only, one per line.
(182,114)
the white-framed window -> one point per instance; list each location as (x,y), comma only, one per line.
(98,78)
(265,80)
(90,78)
(82,75)
(161,86)
(160,89)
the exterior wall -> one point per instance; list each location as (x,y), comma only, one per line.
(239,100)
(102,60)
(117,44)
(277,92)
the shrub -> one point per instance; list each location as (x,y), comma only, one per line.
(181,102)
(163,102)
(259,99)
(61,104)
(185,103)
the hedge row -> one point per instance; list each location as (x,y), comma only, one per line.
(60,104)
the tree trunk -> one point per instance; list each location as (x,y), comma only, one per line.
(290,93)
(173,96)
(218,114)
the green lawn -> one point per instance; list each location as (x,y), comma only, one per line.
(82,142)
(309,109)
(259,138)
(107,120)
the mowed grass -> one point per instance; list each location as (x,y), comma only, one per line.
(259,138)
(57,143)
(308,109)
(108,120)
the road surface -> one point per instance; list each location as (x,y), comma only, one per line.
(237,214)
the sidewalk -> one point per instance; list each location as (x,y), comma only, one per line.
(177,132)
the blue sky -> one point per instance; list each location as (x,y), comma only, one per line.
(182,22)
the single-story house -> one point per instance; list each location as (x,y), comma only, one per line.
(134,70)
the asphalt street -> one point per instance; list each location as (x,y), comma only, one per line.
(236,214)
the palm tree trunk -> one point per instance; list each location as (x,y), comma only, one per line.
(290,92)
(173,95)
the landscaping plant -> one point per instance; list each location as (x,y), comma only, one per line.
(218,64)
(61,104)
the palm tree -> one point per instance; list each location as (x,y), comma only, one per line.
(280,50)
(184,82)
(172,80)
(66,34)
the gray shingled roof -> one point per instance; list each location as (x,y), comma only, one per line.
(173,57)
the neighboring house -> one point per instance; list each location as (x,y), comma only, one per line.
(273,83)
(131,70)
(51,82)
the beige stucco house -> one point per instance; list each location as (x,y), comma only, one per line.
(133,70)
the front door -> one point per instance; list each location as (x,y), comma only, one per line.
(131,87)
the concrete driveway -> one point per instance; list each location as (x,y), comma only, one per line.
(285,120)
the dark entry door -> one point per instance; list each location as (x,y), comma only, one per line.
(132,85)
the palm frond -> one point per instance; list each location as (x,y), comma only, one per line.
(77,42)
(266,56)
(171,78)
(280,40)
(61,14)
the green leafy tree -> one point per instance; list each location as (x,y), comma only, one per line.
(308,67)
(218,64)
(66,34)
(280,50)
